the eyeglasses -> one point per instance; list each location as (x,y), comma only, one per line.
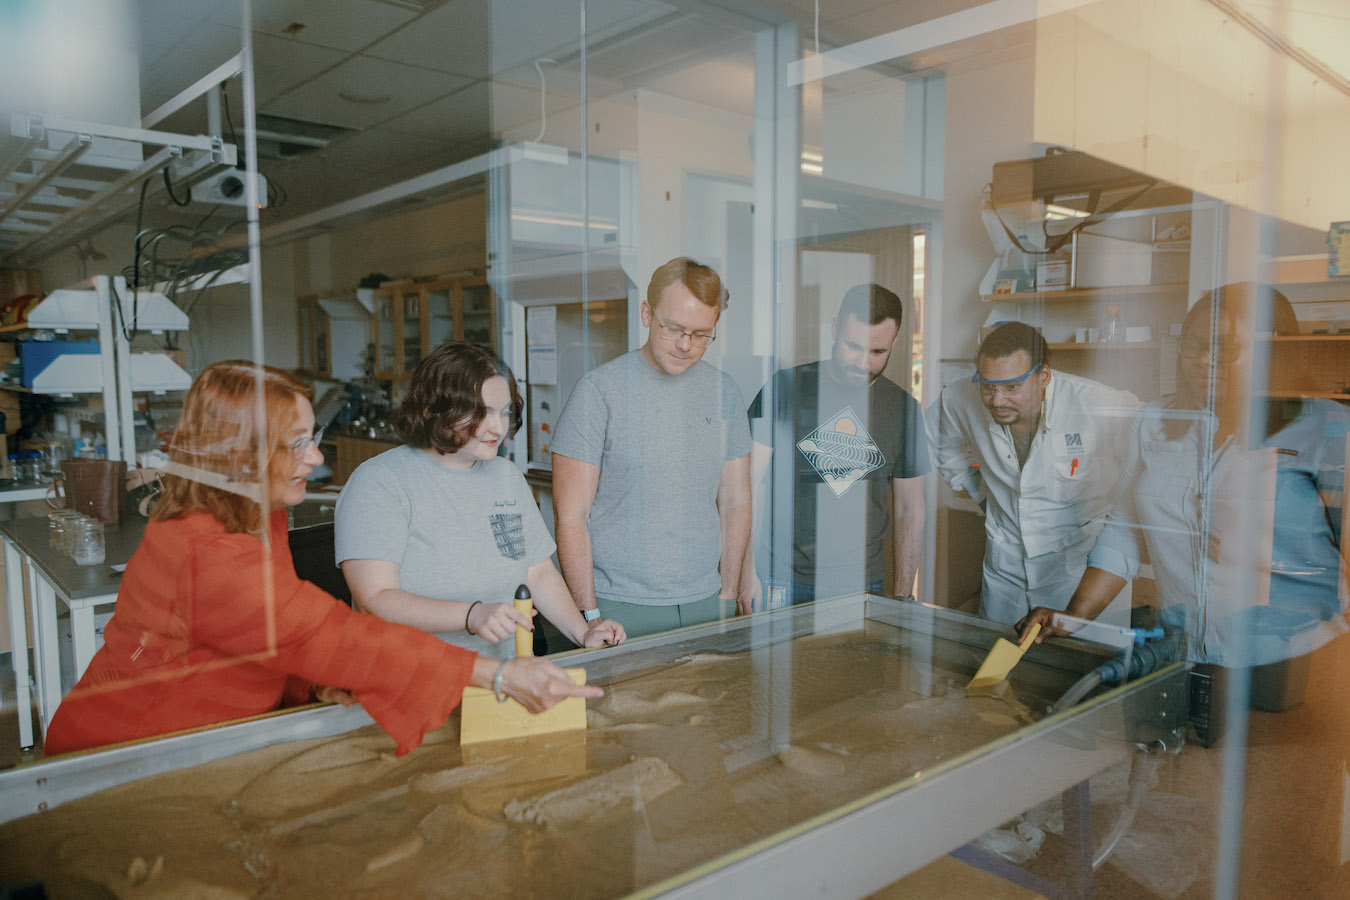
(301,447)
(674,333)
(1004,386)
(1222,352)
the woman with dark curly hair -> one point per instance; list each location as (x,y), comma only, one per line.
(439,532)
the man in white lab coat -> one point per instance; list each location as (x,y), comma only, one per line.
(1043,451)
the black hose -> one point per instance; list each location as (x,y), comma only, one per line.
(1145,658)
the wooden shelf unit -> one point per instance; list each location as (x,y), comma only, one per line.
(413,317)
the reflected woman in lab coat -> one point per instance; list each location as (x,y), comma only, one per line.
(1232,490)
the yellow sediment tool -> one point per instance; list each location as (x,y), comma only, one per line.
(1001,660)
(483,718)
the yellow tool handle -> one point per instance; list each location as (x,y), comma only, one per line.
(524,637)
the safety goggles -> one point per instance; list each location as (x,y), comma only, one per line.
(1003,385)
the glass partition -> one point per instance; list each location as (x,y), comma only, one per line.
(1006,309)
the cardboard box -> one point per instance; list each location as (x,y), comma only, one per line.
(1053,275)
(1101,261)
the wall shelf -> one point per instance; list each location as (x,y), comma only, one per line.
(1107,345)
(1308,395)
(1088,293)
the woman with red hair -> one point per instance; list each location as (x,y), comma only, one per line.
(213,624)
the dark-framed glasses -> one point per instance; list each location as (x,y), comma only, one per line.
(301,447)
(1003,386)
(674,333)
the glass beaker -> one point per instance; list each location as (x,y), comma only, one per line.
(58,520)
(87,546)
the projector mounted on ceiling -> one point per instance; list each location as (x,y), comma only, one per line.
(228,188)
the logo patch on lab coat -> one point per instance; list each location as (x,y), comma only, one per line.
(1073,443)
(841,451)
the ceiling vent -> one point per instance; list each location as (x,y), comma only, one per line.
(281,137)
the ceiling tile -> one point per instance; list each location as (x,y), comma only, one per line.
(407,87)
(279,63)
(457,117)
(452,38)
(164,24)
(339,24)
(164,77)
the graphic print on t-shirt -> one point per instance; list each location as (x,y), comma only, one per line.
(841,451)
(509,530)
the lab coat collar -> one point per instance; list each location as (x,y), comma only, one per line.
(1048,406)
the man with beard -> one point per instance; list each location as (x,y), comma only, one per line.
(858,456)
(1043,451)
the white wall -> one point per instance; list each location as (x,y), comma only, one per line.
(989,120)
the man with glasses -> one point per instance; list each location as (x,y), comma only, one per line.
(857,453)
(1043,451)
(651,470)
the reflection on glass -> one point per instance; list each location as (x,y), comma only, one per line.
(1232,494)
(440,316)
(411,310)
(307,315)
(477,311)
(384,329)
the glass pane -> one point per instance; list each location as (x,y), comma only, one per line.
(384,329)
(307,310)
(321,351)
(1073,203)
(477,311)
(411,305)
(440,316)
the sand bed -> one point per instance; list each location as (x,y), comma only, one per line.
(676,768)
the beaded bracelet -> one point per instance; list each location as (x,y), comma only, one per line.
(467,614)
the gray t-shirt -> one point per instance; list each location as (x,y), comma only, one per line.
(660,442)
(456,534)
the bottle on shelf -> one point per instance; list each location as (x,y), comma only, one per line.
(1113,329)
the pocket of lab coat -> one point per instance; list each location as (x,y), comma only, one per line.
(1072,476)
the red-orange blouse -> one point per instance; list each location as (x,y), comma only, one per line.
(210,627)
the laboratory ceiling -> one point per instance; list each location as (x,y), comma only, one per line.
(354,95)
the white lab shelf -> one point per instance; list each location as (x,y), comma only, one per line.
(157,372)
(115,372)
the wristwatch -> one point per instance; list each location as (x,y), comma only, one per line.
(590,615)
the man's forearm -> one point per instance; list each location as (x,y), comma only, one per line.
(908,549)
(907,530)
(574,553)
(735,547)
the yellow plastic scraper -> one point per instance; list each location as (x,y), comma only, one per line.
(482,718)
(1001,660)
